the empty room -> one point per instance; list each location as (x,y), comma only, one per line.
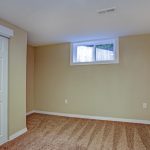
(74,75)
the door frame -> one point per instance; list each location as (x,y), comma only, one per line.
(4,115)
(6,33)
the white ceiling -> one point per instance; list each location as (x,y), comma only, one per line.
(55,21)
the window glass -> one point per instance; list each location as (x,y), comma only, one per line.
(105,52)
(85,53)
(95,52)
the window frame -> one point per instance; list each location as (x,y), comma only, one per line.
(73,49)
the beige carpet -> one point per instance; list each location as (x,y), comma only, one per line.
(60,133)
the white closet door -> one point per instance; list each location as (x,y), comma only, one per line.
(3,88)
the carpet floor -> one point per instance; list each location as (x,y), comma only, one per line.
(47,132)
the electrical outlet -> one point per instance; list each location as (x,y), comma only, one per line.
(144,105)
(66,101)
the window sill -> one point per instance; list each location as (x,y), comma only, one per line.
(95,63)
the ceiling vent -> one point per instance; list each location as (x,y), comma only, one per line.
(108,10)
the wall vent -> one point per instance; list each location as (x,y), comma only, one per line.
(105,11)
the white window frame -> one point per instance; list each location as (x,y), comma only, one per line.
(95,42)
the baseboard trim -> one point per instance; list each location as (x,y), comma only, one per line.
(93,117)
(30,112)
(5,140)
(17,134)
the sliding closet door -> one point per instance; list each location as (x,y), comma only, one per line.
(3,88)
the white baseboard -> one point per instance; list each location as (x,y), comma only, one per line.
(93,117)
(30,112)
(3,141)
(15,135)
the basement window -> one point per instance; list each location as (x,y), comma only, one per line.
(95,52)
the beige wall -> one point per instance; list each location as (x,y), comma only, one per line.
(30,78)
(17,79)
(116,90)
